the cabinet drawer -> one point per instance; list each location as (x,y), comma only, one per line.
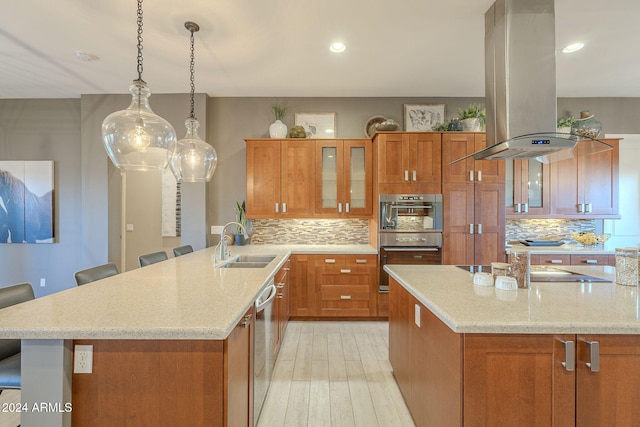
(368,260)
(547,259)
(328,260)
(589,259)
(344,276)
(347,304)
(413,257)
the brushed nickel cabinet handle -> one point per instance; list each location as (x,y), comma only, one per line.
(518,209)
(415,176)
(479,228)
(346,207)
(406,175)
(339,207)
(589,207)
(470,228)
(277,208)
(591,261)
(345,270)
(526,207)
(594,356)
(284,208)
(345,296)
(479,175)
(555,261)
(361,261)
(569,363)
(329,261)
(471,175)
(246,321)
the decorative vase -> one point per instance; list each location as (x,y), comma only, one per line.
(471,125)
(240,240)
(455,125)
(278,129)
(587,125)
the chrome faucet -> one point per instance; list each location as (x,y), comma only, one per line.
(223,252)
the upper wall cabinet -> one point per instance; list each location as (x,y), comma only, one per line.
(587,185)
(527,190)
(456,145)
(409,162)
(280,178)
(344,178)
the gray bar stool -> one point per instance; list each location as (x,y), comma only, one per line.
(95,273)
(152,258)
(10,349)
(182,250)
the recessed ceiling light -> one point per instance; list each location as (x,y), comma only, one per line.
(573,47)
(85,56)
(337,47)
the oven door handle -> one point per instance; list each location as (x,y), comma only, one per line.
(414,249)
(411,206)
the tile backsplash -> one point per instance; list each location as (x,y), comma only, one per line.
(310,231)
(553,229)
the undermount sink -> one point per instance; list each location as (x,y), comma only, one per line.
(243,264)
(248,261)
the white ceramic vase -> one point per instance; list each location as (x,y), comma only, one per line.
(471,125)
(278,129)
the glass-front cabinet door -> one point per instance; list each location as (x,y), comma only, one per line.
(344,183)
(527,189)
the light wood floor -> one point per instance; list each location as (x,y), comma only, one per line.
(327,374)
(334,374)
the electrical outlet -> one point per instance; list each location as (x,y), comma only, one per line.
(83,359)
(43,282)
(416,314)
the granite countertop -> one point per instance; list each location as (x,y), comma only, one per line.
(181,298)
(545,308)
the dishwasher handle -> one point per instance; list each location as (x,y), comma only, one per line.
(260,305)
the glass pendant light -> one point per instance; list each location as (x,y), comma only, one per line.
(191,158)
(137,139)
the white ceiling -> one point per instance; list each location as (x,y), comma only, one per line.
(418,48)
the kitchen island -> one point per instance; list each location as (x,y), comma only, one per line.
(554,354)
(162,338)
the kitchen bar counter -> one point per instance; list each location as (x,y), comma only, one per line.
(545,308)
(181,298)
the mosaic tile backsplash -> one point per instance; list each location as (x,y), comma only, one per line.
(310,231)
(552,229)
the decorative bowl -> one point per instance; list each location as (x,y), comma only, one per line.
(589,238)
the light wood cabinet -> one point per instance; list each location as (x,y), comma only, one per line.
(509,379)
(587,185)
(346,285)
(344,178)
(282,310)
(426,357)
(527,188)
(168,382)
(333,285)
(409,162)
(302,286)
(280,178)
(473,203)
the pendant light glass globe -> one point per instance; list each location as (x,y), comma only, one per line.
(192,159)
(136,138)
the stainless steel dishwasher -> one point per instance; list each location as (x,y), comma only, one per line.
(263,348)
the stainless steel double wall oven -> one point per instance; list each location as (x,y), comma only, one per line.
(410,231)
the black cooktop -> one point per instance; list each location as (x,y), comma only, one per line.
(542,273)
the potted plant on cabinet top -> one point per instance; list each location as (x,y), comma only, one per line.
(564,124)
(473,118)
(241,218)
(278,129)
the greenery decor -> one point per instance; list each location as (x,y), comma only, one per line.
(440,127)
(474,111)
(241,216)
(278,110)
(566,122)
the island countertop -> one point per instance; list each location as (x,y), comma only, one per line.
(544,308)
(184,298)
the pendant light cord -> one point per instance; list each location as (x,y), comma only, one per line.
(192,72)
(139,46)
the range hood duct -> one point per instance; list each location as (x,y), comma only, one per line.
(520,86)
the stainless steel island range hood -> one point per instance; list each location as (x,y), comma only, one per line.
(520,85)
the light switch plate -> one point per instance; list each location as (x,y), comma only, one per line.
(216,229)
(129,227)
(417,315)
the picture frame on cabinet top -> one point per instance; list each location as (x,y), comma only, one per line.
(422,117)
(317,125)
